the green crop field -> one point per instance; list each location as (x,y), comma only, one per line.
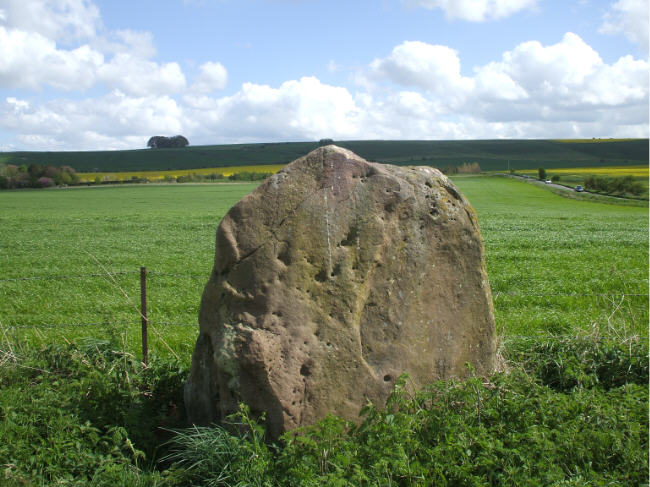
(564,273)
(492,155)
(554,264)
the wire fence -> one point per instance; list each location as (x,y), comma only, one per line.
(496,296)
(103,275)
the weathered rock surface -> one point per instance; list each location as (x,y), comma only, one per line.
(331,279)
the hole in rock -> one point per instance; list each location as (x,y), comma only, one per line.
(350,238)
(284,256)
(305,371)
(321,276)
(452,192)
(387,378)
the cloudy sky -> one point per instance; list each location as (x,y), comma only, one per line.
(108,74)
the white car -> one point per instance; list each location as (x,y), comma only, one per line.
(548,181)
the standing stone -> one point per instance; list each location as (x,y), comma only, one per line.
(331,279)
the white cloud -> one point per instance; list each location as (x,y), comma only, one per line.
(113,121)
(140,77)
(29,60)
(623,83)
(550,71)
(60,20)
(433,68)
(492,83)
(533,85)
(55,43)
(569,74)
(136,43)
(212,77)
(296,110)
(629,18)
(476,10)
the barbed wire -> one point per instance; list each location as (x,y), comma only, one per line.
(120,273)
(70,276)
(192,276)
(102,323)
(495,293)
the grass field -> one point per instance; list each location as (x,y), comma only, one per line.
(555,265)
(492,155)
(570,289)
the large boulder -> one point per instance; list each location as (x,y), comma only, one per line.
(331,279)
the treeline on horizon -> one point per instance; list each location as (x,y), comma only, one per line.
(491,155)
(37,176)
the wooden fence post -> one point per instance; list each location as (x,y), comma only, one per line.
(143,312)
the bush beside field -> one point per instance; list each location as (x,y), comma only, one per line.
(623,185)
(36,176)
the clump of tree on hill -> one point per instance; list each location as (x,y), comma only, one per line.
(464,168)
(614,185)
(162,142)
(36,176)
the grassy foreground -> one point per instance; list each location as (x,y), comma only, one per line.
(570,287)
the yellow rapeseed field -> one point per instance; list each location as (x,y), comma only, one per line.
(637,171)
(174,173)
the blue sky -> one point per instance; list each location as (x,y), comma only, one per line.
(108,74)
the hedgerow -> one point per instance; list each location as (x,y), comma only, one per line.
(614,185)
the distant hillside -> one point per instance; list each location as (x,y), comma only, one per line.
(490,154)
